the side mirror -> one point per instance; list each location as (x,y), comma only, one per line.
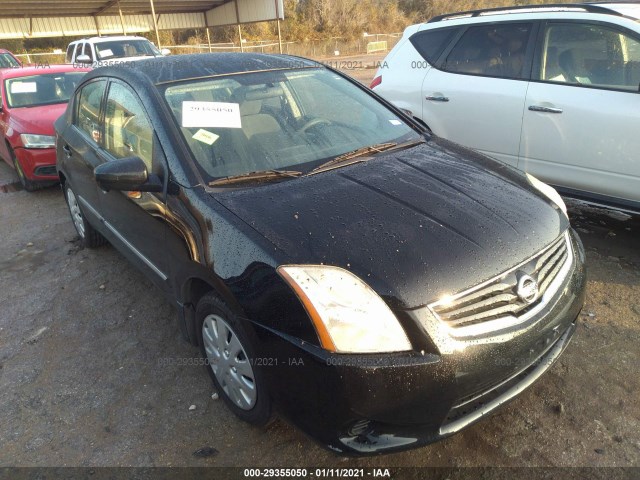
(128,174)
(83,59)
(165,52)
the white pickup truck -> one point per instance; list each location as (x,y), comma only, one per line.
(102,51)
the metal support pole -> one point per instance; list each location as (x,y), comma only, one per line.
(235,3)
(279,37)
(208,39)
(206,29)
(95,20)
(278,22)
(124,29)
(155,23)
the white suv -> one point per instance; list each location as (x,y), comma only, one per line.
(100,51)
(552,90)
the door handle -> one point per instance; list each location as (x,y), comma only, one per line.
(540,108)
(67,151)
(437,98)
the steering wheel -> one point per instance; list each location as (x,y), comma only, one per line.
(314,123)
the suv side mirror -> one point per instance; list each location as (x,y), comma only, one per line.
(83,59)
(128,174)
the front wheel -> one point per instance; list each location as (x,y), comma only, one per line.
(27,184)
(226,345)
(88,235)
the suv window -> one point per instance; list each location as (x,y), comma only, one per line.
(431,44)
(69,56)
(88,51)
(590,54)
(491,50)
(128,131)
(88,109)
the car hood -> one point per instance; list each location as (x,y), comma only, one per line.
(415,225)
(37,120)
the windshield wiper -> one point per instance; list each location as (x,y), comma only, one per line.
(259,175)
(356,156)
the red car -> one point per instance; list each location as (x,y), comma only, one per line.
(32,99)
(8,59)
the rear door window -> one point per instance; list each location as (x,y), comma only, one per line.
(496,50)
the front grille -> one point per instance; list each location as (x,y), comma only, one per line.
(497,304)
(469,410)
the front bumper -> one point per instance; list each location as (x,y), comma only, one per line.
(38,164)
(368,404)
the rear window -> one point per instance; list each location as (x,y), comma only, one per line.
(431,44)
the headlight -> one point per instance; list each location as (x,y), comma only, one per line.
(30,140)
(348,315)
(549,192)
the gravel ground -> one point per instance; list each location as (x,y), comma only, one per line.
(89,375)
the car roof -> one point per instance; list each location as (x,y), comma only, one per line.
(201,65)
(599,11)
(108,38)
(628,9)
(39,70)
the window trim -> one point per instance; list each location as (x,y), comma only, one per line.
(536,66)
(528,57)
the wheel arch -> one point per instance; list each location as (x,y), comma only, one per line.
(192,290)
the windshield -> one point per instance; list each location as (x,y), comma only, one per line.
(125,49)
(278,120)
(43,89)
(8,61)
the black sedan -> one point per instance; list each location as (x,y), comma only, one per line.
(379,287)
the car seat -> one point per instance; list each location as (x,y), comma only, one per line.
(567,63)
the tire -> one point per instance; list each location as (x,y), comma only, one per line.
(89,237)
(229,350)
(27,184)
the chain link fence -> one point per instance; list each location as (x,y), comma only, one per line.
(317,49)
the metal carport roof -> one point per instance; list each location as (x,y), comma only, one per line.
(52,18)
